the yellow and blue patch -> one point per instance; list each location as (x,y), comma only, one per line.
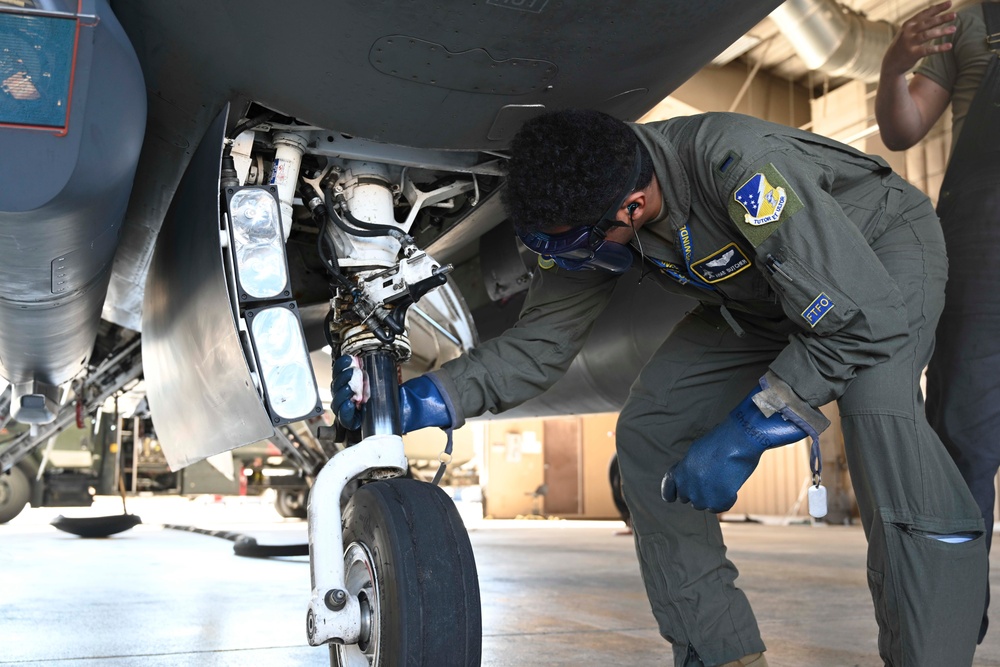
(820,306)
(721,264)
(762,204)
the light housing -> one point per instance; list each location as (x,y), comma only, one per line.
(283,364)
(257,243)
(274,343)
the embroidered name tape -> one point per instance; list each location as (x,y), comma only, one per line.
(721,264)
(820,306)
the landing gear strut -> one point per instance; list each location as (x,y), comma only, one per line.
(394,578)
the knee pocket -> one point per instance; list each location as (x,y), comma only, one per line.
(928,593)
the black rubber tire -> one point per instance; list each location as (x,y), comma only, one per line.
(292,503)
(425,571)
(615,479)
(15,491)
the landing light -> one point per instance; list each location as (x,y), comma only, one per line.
(286,373)
(261,288)
(258,244)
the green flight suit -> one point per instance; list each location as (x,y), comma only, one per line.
(814,262)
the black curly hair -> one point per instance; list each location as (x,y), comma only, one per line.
(567,167)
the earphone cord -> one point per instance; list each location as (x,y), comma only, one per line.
(642,255)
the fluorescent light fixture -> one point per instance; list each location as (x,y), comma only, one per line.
(286,373)
(735,50)
(258,244)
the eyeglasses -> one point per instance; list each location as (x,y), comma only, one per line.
(587,247)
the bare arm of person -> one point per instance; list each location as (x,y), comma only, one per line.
(905,112)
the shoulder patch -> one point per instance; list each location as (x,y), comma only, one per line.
(721,264)
(762,204)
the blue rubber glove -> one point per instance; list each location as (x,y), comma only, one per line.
(421,401)
(422,404)
(719,462)
(349,391)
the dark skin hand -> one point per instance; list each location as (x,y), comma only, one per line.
(913,41)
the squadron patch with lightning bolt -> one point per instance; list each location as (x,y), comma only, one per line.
(762,204)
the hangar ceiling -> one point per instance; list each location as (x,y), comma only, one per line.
(776,54)
(811,46)
(813,64)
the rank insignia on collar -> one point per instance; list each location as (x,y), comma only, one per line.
(721,264)
(762,201)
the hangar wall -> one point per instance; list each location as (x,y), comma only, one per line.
(554,467)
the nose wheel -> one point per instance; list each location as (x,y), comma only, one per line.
(408,559)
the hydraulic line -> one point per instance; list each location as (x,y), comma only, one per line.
(361,228)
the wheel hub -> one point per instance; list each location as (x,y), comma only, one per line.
(361,580)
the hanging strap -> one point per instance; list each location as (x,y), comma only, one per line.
(991,15)
(444,458)
(977,152)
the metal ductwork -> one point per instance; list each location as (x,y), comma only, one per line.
(833,39)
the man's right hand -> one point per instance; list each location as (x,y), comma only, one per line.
(422,402)
(350,391)
(912,42)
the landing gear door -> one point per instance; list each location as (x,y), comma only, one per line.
(202,395)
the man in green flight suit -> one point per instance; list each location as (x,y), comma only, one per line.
(819,275)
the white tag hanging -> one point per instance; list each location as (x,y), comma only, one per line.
(817,501)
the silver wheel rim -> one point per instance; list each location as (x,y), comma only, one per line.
(359,575)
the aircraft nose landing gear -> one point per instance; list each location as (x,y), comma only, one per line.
(400,549)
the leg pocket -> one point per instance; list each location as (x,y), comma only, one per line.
(928,594)
(885,615)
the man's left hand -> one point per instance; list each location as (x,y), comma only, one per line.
(719,462)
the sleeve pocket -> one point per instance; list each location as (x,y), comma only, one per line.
(812,302)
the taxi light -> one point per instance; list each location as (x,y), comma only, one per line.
(290,391)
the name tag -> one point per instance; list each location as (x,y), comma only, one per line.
(722,264)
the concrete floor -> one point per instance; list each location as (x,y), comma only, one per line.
(554,593)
